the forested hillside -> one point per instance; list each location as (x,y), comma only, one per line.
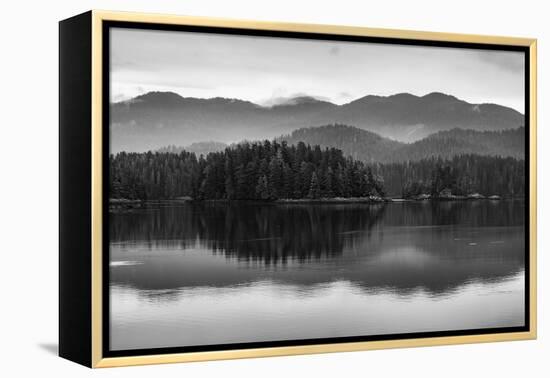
(272,170)
(261,170)
(370,147)
(447,144)
(198,148)
(463,175)
(359,144)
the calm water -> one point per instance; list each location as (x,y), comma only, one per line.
(212,273)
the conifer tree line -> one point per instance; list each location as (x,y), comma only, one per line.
(275,170)
(462,175)
(247,171)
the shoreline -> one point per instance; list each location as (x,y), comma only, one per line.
(128,204)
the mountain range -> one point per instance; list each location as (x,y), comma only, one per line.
(157,119)
(370,147)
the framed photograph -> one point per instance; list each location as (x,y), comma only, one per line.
(235,189)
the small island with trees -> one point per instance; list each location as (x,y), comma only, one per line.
(277,171)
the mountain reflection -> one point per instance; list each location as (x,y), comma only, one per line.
(399,247)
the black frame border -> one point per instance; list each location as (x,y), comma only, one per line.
(105,100)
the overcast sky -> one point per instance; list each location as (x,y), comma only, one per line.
(265,69)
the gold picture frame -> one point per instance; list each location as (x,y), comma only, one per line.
(93,23)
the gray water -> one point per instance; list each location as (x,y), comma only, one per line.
(218,273)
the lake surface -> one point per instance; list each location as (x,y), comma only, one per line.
(219,273)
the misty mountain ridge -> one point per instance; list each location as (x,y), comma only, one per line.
(359,144)
(164,99)
(370,147)
(449,143)
(297,100)
(157,119)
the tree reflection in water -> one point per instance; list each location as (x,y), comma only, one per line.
(399,247)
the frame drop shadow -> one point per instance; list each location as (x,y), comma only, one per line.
(51,348)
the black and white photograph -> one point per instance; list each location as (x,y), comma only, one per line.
(290,189)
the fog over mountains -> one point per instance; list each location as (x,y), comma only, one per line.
(370,147)
(159,119)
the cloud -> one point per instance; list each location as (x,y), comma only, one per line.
(119,97)
(345,95)
(288,100)
(509,61)
(270,70)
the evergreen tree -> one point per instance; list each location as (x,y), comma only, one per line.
(230,191)
(288,180)
(276,183)
(262,191)
(290,171)
(329,183)
(314,188)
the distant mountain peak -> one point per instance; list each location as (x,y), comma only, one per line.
(355,142)
(367,98)
(172,98)
(295,100)
(440,96)
(159,118)
(228,100)
(403,95)
(158,96)
(303,100)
